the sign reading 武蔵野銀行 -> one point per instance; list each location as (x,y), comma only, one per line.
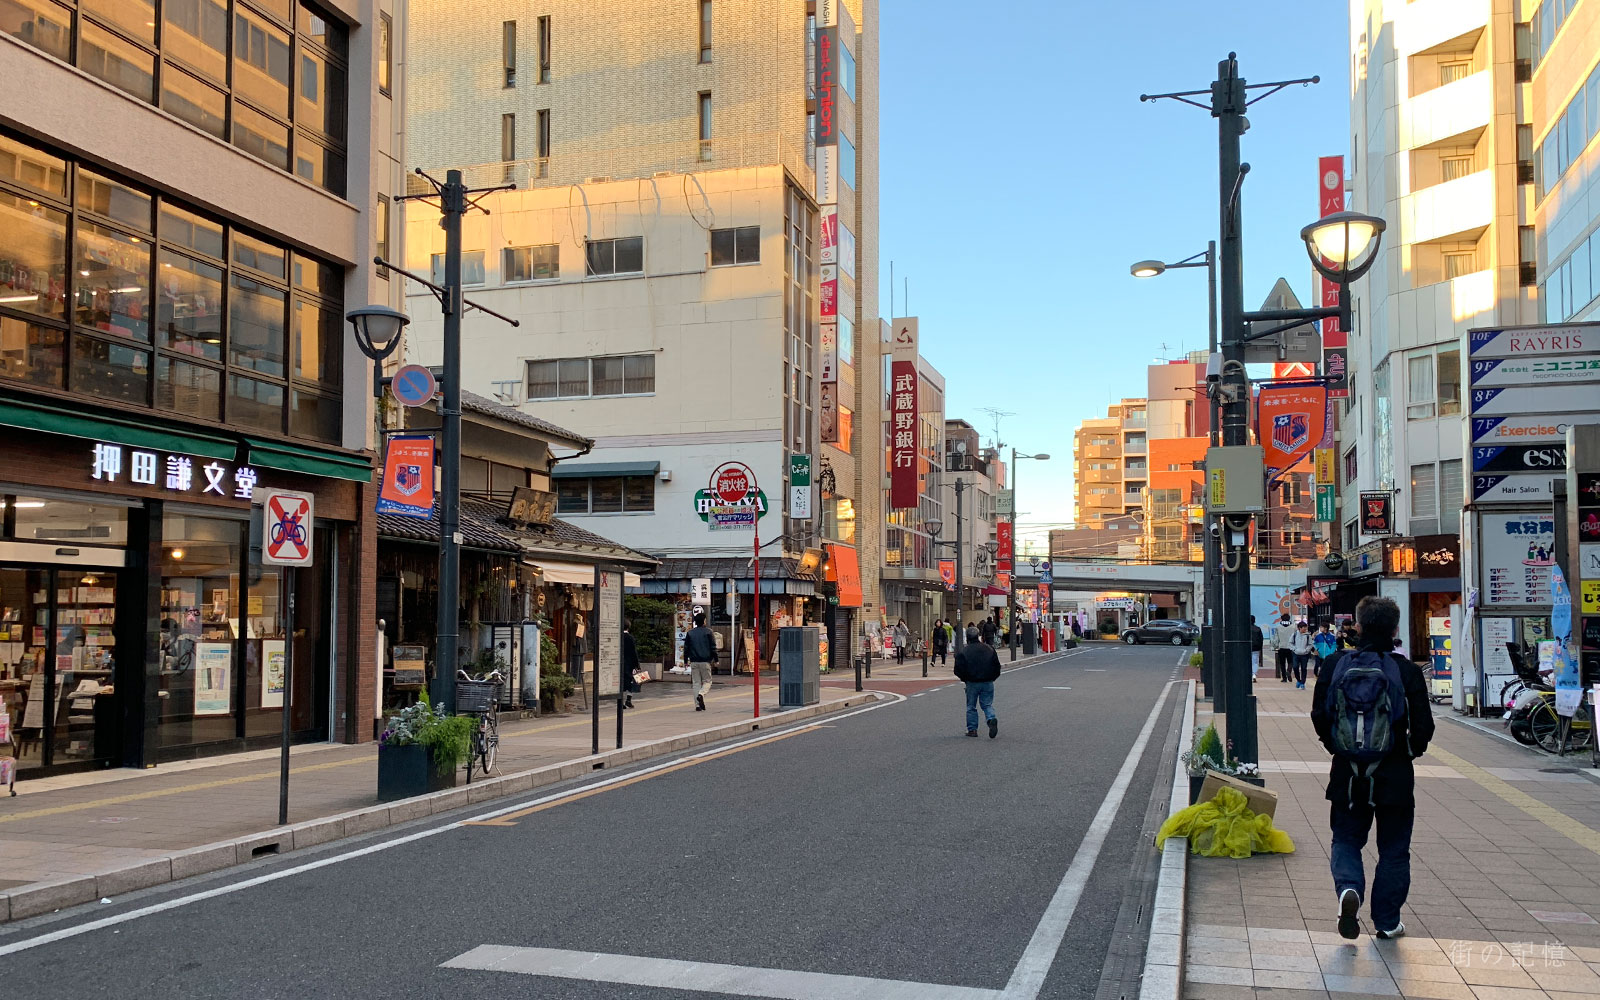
(184,474)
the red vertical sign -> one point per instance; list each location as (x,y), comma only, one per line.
(1335,340)
(903,490)
(1002,535)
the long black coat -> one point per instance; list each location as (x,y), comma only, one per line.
(630,663)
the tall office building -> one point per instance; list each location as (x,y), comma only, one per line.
(691,250)
(191,195)
(1110,457)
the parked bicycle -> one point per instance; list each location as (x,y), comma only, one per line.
(481,697)
(1531,715)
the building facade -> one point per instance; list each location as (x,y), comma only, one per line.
(191,200)
(691,251)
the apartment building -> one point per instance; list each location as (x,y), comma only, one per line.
(1563,46)
(190,200)
(1442,148)
(1097,465)
(691,250)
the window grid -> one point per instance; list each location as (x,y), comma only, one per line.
(705,31)
(586,378)
(624,255)
(231,328)
(736,246)
(508,54)
(606,495)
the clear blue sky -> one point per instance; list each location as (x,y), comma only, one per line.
(1021,176)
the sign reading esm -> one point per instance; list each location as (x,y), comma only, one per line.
(286,524)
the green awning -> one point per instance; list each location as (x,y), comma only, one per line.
(114,430)
(593,470)
(309,460)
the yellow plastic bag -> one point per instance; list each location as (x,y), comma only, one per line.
(1225,828)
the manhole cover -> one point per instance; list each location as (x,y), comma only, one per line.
(1559,770)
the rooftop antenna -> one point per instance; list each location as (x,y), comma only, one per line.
(997,415)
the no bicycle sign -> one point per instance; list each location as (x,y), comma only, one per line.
(286,528)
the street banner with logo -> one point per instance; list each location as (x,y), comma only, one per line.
(407,488)
(947,573)
(1290,422)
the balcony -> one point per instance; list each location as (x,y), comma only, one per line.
(1444,210)
(1425,24)
(1101,451)
(1447,112)
(1133,499)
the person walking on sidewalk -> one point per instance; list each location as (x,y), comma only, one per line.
(1283,645)
(1302,648)
(1257,640)
(941,641)
(977,664)
(630,666)
(1370,710)
(902,638)
(1325,643)
(986,631)
(700,649)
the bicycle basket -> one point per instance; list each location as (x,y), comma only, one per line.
(476,697)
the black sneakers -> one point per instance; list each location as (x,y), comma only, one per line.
(1349,906)
(699,703)
(972,733)
(994,728)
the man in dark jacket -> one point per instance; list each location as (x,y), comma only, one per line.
(986,631)
(978,665)
(700,649)
(1387,796)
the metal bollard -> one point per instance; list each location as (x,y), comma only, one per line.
(858,673)
(869,666)
(924,661)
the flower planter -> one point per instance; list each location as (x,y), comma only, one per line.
(406,771)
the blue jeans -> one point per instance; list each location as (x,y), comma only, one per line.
(1391,881)
(979,693)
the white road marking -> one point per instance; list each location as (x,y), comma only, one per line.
(223,890)
(1027,980)
(1094,670)
(703,977)
(1052,687)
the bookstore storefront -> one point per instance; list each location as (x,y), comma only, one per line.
(137,621)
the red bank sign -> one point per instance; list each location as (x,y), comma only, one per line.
(904,490)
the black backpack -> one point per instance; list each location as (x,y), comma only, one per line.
(1366,702)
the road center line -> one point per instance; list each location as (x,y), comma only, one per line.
(65,933)
(1027,980)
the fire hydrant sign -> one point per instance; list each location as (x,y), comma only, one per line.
(286,528)
(731,498)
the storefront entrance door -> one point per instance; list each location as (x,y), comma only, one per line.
(58,653)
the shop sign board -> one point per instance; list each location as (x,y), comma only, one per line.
(829,226)
(1519,430)
(828,417)
(1516,555)
(176,474)
(1534,341)
(411,667)
(1522,400)
(1591,597)
(1325,467)
(1004,543)
(1439,633)
(1335,355)
(731,498)
(272,673)
(1004,503)
(800,487)
(1327,502)
(1507,487)
(1438,556)
(700,592)
(1535,370)
(1546,458)
(1366,560)
(286,527)
(1377,513)
(829,371)
(1589,561)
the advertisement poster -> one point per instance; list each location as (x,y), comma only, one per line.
(407,488)
(272,673)
(1498,633)
(1518,553)
(608,608)
(1439,651)
(213,678)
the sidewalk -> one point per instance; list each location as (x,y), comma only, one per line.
(60,830)
(1505,879)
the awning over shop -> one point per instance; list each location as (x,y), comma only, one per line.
(844,570)
(594,470)
(576,574)
(113,430)
(309,460)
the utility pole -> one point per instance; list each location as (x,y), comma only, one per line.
(1011,584)
(960,629)
(1211,651)
(1228,101)
(453,202)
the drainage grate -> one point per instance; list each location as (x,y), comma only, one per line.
(1559,770)
(257,852)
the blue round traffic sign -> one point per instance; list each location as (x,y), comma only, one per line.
(413,385)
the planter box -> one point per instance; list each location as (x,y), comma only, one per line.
(1196,782)
(408,771)
(1260,801)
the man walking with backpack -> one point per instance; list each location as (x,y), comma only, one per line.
(1370,710)
(977,664)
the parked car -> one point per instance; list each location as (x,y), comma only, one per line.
(1176,631)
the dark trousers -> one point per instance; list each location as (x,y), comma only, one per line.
(1300,661)
(1391,880)
(899,654)
(941,652)
(1285,657)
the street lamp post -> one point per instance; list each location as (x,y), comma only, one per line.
(1342,246)
(1211,567)
(932,527)
(377,331)
(1011,585)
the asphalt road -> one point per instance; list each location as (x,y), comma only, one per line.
(883,845)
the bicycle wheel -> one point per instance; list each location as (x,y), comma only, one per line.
(1582,729)
(489,737)
(1509,692)
(1545,726)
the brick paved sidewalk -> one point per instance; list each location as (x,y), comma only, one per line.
(1505,879)
(89,824)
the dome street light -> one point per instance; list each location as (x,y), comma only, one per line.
(1343,245)
(378,335)
(1147,269)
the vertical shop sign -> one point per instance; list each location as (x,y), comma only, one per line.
(1327,503)
(800,487)
(829,224)
(828,415)
(830,352)
(1325,467)
(1377,513)
(1330,199)
(903,458)
(1003,554)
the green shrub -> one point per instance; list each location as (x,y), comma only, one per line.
(652,626)
(556,682)
(1195,658)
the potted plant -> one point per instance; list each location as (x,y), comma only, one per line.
(553,691)
(420,749)
(1205,753)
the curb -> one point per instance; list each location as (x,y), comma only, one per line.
(44,897)
(1164,955)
